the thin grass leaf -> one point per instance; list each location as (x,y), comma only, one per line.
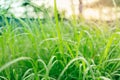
(3,78)
(104,78)
(26,73)
(13,62)
(71,62)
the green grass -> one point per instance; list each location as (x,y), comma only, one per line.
(59,50)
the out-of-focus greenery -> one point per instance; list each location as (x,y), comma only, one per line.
(117,2)
(26,5)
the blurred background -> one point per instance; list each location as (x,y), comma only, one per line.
(106,10)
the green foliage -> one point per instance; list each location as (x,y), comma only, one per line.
(59,50)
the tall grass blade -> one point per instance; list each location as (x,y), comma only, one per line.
(71,62)
(13,62)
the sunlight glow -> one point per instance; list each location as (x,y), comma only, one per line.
(105,13)
(89,1)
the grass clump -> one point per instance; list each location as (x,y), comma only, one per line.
(58,50)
